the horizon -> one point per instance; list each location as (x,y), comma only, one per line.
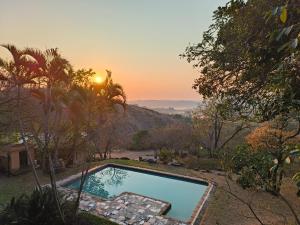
(139,41)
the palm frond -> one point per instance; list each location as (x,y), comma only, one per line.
(2,62)
(37,55)
(16,54)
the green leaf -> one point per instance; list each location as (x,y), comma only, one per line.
(294,43)
(283,15)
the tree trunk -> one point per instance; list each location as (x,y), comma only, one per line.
(47,151)
(22,132)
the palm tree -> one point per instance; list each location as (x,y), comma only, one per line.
(109,93)
(53,71)
(18,74)
(105,96)
(87,106)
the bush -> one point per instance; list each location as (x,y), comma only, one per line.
(247,178)
(241,158)
(193,162)
(166,155)
(253,167)
(40,209)
(139,140)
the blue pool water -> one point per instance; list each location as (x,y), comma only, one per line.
(111,181)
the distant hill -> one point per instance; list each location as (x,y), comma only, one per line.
(135,119)
(175,104)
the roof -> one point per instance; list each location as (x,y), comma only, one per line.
(12,148)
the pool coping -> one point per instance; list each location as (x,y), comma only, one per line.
(200,208)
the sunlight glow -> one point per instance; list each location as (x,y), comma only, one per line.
(98,79)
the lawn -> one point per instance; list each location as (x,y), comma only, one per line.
(223,209)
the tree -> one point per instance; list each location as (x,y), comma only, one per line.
(16,75)
(52,70)
(67,101)
(139,139)
(239,59)
(174,137)
(253,61)
(100,100)
(278,138)
(215,125)
(291,41)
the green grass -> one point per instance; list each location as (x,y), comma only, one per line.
(14,186)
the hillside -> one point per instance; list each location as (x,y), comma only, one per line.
(134,119)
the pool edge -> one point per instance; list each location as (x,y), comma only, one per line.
(201,206)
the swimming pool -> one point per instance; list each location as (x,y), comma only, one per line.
(109,182)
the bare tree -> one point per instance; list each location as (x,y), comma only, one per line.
(215,125)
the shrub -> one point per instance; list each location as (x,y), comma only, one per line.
(247,178)
(40,209)
(139,140)
(193,162)
(241,158)
(166,155)
(253,167)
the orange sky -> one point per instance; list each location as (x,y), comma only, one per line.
(138,40)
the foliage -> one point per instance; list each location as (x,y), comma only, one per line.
(200,163)
(7,138)
(138,140)
(253,167)
(215,125)
(289,28)
(278,138)
(296,177)
(38,208)
(247,178)
(177,137)
(166,155)
(66,106)
(240,59)
(270,151)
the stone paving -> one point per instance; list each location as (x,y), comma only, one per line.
(126,209)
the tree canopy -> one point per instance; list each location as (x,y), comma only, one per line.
(250,55)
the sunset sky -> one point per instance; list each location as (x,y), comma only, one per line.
(138,40)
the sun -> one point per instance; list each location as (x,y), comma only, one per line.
(98,79)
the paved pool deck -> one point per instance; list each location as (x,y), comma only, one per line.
(126,209)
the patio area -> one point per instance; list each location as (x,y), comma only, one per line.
(126,209)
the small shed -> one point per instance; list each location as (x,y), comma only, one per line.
(14,158)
